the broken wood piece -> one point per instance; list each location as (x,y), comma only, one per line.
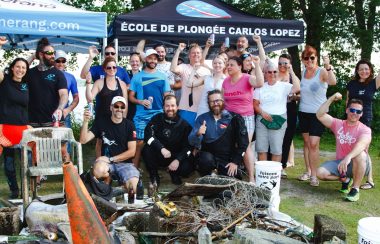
(219,233)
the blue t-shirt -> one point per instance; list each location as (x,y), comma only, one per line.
(97,72)
(71,85)
(147,85)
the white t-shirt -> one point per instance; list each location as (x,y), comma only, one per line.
(209,85)
(165,68)
(273,98)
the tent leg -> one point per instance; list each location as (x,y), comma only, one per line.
(116,41)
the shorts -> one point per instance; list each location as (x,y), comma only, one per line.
(250,123)
(141,121)
(266,138)
(310,124)
(123,171)
(332,167)
(188,116)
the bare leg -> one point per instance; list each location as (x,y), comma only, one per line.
(291,155)
(306,152)
(276,158)
(358,169)
(263,156)
(98,148)
(131,182)
(314,154)
(136,159)
(324,174)
(370,175)
(249,160)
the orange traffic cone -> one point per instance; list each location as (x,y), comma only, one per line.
(85,222)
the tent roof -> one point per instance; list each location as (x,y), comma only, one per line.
(174,21)
(24,22)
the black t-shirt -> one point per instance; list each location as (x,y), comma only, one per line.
(115,137)
(14,98)
(104,99)
(364,92)
(43,92)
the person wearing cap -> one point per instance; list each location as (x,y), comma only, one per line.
(97,72)
(60,63)
(118,141)
(147,91)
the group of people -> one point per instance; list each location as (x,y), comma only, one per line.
(189,116)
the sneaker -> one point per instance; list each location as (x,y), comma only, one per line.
(346,186)
(353,195)
(43,178)
(304,177)
(284,175)
(314,181)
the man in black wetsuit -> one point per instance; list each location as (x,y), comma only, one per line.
(221,137)
(166,143)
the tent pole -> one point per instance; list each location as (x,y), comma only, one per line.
(116,41)
(104,45)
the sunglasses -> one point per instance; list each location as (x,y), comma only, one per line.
(49,52)
(272,72)
(282,63)
(355,111)
(118,107)
(60,61)
(111,67)
(216,101)
(307,58)
(109,53)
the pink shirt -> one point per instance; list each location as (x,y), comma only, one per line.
(239,96)
(346,136)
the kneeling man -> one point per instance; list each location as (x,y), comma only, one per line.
(352,142)
(118,136)
(166,143)
(221,137)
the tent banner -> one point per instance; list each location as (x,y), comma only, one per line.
(86,24)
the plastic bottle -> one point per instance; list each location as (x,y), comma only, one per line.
(204,234)
(150,98)
(140,189)
(212,39)
(227,42)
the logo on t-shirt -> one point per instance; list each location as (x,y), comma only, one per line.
(24,87)
(345,138)
(108,141)
(50,77)
(361,92)
(223,126)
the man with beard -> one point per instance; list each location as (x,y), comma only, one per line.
(48,94)
(166,143)
(221,138)
(192,80)
(241,46)
(147,91)
(118,138)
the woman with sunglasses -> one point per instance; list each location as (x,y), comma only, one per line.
(270,106)
(238,94)
(14,99)
(314,83)
(106,88)
(363,86)
(286,74)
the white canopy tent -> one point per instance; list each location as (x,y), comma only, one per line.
(24,22)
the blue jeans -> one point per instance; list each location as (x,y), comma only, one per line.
(9,168)
(68,125)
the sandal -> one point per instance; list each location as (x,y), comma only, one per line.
(314,181)
(368,185)
(304,177)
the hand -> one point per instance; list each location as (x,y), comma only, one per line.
(255,59)
(326,61)
(337,96)
(202,129)
(145,103)
(266,116)
(65,112)
(173,166)
(181,46)
(232,169)
(166,153)
(256,38)
(342,166)
(87,115)
(3,40)
(93,51)
(58,112)
(290,68)
(209,43)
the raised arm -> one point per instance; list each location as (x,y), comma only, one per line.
(322,114)
(91,92)
(174,65)
(296,81)
(3,40)
(377,81)
(93,52)
(260,47)
(205,50)
(85,134)
(140,49)
(257,80)
(327,74)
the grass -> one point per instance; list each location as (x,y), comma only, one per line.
(298,199)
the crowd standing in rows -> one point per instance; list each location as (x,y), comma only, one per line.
(192,116)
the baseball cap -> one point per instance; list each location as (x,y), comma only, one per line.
(118,99)
(150,52)
(60,54)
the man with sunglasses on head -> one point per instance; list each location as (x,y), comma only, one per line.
(352,141)
(118,136)
(48,94)
(97,71)
(220,137)
(60,63)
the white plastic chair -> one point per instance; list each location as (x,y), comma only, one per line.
(47,152)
